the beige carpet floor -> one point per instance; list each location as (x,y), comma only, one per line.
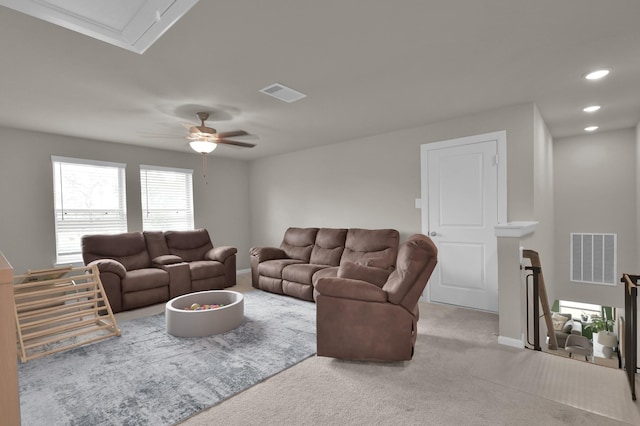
(459,376)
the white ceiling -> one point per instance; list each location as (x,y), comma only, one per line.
(366,67)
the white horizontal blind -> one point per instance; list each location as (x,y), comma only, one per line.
(167,198)
(89,198)
(594,258)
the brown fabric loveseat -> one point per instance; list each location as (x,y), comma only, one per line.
(144,268)
(308,254)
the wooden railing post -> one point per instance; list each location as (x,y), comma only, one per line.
(540,298)
(9,396)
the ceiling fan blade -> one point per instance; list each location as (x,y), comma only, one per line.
(232,134)
(186,125)
(235,143)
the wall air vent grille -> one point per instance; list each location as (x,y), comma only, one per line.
(283,93)
(594,258)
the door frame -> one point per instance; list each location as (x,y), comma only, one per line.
(501,141)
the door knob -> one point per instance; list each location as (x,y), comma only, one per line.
(433,233)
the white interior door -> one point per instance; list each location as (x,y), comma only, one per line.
(463,190)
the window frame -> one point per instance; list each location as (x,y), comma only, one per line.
(90,215)
(188,222)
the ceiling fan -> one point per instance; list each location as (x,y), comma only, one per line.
(204,139)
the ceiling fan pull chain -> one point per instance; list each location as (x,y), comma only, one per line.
(204,167)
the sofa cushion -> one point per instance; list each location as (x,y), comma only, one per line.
(301,273)
(330,272)
(328,246)
(369,274)
(144,279)
(189,245)
(378,244)
(559,322)
(273,268)
(129,249)
(298,243)
(156,244)
(203,269)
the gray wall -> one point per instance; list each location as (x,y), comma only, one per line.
(595,191)
(543,201)
(27,233)
(373,182)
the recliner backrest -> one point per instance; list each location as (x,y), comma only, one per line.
(297,243)
(129,249)
(156,244)
(189,245)
(417,258)
(328,246)
(372,247)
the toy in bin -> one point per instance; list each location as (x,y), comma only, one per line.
(198,307)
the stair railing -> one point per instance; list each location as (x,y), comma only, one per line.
(631,329)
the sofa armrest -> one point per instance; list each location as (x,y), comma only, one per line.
(110,265)
(179,278)
(346,288)
(220,253)
(267,253)
(166,259)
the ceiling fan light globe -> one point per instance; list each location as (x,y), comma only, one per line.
(202,146)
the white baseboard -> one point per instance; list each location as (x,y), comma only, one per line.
(509,341)
(242,271)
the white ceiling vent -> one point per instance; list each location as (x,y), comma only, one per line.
(283,93)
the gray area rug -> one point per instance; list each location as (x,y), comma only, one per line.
(147,376)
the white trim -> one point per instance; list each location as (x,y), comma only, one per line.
(509,341)
(501,145)
(84,161)
(242,271)
(501,141)
(133,28)
(515,229)
(166,169)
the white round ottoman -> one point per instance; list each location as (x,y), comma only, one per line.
(188,323)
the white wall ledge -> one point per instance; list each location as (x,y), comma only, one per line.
(515,229)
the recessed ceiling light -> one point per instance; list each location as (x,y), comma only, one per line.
(591,128)
(591,108)
(597,74)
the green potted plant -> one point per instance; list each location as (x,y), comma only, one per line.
(598,324)
(604,328)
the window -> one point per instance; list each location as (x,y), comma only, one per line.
(578,309)
(89,198)
(167,198)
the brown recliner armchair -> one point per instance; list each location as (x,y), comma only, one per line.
(366,314)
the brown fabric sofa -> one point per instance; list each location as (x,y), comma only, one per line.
(362,316)
(144,268)
(308,254)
